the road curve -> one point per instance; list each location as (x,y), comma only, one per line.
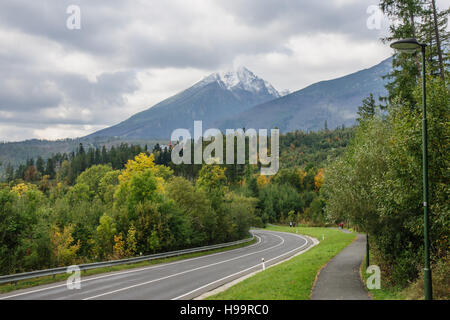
(184,279)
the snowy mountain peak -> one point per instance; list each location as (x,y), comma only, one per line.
(232,78)
(240,78)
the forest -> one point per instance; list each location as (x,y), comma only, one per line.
(124,201)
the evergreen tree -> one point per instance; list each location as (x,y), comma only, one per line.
(368,108)
(50,168)
(97,156)
(105,159)
(418,19)
(40,165)
(9,172)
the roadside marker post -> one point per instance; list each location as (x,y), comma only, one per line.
(263,264)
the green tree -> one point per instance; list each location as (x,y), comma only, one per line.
(368,108)
(64,250)
(105,237)
(131,241)
(93,176)
(377,185)
(194,203)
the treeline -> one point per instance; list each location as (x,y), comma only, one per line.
(109,204)
(316,149)
(112,214)
(70,165)
(376,186)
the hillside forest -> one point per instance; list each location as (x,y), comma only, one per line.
(109,204)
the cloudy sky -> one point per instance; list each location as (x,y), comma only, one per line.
(58,82)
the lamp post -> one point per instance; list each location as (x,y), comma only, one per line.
(367,251)
(411,45)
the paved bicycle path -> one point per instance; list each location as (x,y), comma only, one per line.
(340,278)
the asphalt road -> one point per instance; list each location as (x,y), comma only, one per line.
(184,279)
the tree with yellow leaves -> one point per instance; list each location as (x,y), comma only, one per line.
(119,251)
(301,177)
(140,181)
(22,188)
(262,180)
(131,241)
(140,163)
(211,177)
(319,179)
(64,250)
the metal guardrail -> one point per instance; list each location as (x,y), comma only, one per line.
(87,266)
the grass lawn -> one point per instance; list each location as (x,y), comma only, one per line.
(293,279)
(4,288)
(384,293)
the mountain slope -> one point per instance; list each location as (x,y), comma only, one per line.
(214,98)
(335,101)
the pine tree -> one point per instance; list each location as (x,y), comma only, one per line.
(419,19)
(368,108)
(50,168)
(433,32)
(97,156)
(40,165)
(406,68)
(105,159)
(9,172)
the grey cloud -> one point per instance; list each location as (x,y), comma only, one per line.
(304,16)
(101,20)
(25,86)
(136,35)
(21,88)
(105,28)
(29,93)
(182,52)
(108,90)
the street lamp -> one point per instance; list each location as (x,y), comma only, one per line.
(411,45)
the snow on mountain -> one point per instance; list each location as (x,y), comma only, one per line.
(218,96)
(333,101)
(240,78)
(240,99)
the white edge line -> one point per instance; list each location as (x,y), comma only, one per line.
(236,281)
(242,271)
(183,272)
(112,274)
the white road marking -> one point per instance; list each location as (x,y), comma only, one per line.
(242,271)
(130,271)
(183,272)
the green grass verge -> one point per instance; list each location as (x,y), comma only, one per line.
(293,279)
(4,288)
(384,293)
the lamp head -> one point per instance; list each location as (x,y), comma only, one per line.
(409,45)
